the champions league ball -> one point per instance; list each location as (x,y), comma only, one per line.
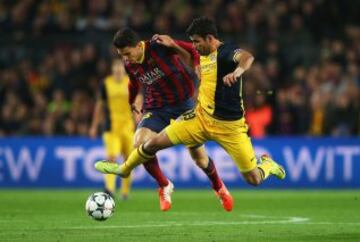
(100,206)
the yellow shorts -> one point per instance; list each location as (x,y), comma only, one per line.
(118,143)
(197,126)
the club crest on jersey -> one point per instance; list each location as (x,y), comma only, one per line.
(147,115)
(236,52)
(151,76)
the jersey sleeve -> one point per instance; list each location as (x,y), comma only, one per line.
(134,88)
(189,47)
(183,44)
(236,52)
(229,53)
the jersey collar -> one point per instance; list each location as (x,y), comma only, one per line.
(143,53)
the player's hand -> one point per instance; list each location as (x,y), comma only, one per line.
(165,40)
(137,118)
(134,109)
(93,132)
(232,77)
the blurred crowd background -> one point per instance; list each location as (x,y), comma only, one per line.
(305,79)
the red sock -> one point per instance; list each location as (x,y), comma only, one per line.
(211,172)
(153,168)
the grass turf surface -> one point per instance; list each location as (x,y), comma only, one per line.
(196,215)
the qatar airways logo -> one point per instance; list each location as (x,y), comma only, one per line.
(151,76)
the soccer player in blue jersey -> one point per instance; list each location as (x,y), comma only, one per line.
(164,72)
(219,115)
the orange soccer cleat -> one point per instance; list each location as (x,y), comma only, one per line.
(165,196)
(225,198)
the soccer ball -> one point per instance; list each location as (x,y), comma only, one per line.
(100,206)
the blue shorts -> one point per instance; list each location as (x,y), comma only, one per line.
(157,119)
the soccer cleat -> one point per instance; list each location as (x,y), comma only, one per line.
(165,196)
(276,169)
(108,167)
(225,198)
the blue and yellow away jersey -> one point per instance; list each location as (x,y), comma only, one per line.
(215,97)
(115,95)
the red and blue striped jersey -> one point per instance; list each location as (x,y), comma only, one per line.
(164,78)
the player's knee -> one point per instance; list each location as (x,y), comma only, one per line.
(152,145)
(158,142)
(142,135)
(137,143)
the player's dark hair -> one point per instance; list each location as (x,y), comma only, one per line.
(202,26)
(125,37)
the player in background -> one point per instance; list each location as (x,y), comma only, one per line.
(112,103)
(166,76)
(219,115)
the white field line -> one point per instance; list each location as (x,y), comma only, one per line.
(206,224)
(281,220)
(266,220)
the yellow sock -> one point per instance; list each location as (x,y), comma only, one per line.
(265,168)
(125,186)
(137,157)
(110,182)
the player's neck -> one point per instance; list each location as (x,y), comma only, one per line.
(117,78)
(215,45)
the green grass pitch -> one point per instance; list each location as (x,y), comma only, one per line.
(196,215)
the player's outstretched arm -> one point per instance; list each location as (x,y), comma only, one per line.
(244,60)
(185,50)
(195,57)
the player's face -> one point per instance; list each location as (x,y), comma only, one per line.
(130,53)
(202,45)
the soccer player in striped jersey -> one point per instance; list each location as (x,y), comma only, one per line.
(165,73)
(219,115)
